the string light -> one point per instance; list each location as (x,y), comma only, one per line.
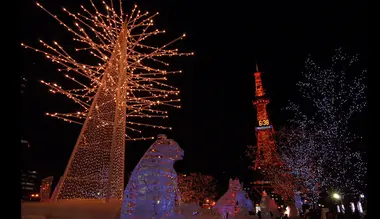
(316,146)
(196,187)
(259,85)
(127,83)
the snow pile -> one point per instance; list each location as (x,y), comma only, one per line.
(71,210)
(34,217)
(97,210)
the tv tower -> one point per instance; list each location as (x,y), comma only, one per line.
(266,148)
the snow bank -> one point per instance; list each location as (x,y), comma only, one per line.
(34,217)
(98,210)
(71,210)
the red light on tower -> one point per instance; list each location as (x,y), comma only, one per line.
(266,149)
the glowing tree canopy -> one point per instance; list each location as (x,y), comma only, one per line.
(196,187)
(152,190)
(127,83)
(302,164)
(316,146)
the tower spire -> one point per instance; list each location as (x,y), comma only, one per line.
(258,84)
(257,67)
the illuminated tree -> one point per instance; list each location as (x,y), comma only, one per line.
(284,183)
(318,149)
(298,151)
(126,82)
(195,187)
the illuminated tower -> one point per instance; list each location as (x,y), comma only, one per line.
(266,150)
(267,158)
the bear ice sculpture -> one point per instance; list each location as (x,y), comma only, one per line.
(152,190)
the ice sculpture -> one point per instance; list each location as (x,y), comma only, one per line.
(268,205)
(152,191)
(227,206)
(243,201)
(298,201)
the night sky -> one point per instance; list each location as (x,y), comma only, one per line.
(217,119)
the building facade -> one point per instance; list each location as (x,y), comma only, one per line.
(30,180)
(30,185)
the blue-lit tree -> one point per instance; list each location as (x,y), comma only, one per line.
(316,146)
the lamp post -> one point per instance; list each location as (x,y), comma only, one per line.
(338,198)
(362,199)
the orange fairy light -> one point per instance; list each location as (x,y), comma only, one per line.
(117,96)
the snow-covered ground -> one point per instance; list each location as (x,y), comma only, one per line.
(70,210)
(93,210)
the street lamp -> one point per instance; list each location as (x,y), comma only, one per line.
(336,196)
(360,208)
